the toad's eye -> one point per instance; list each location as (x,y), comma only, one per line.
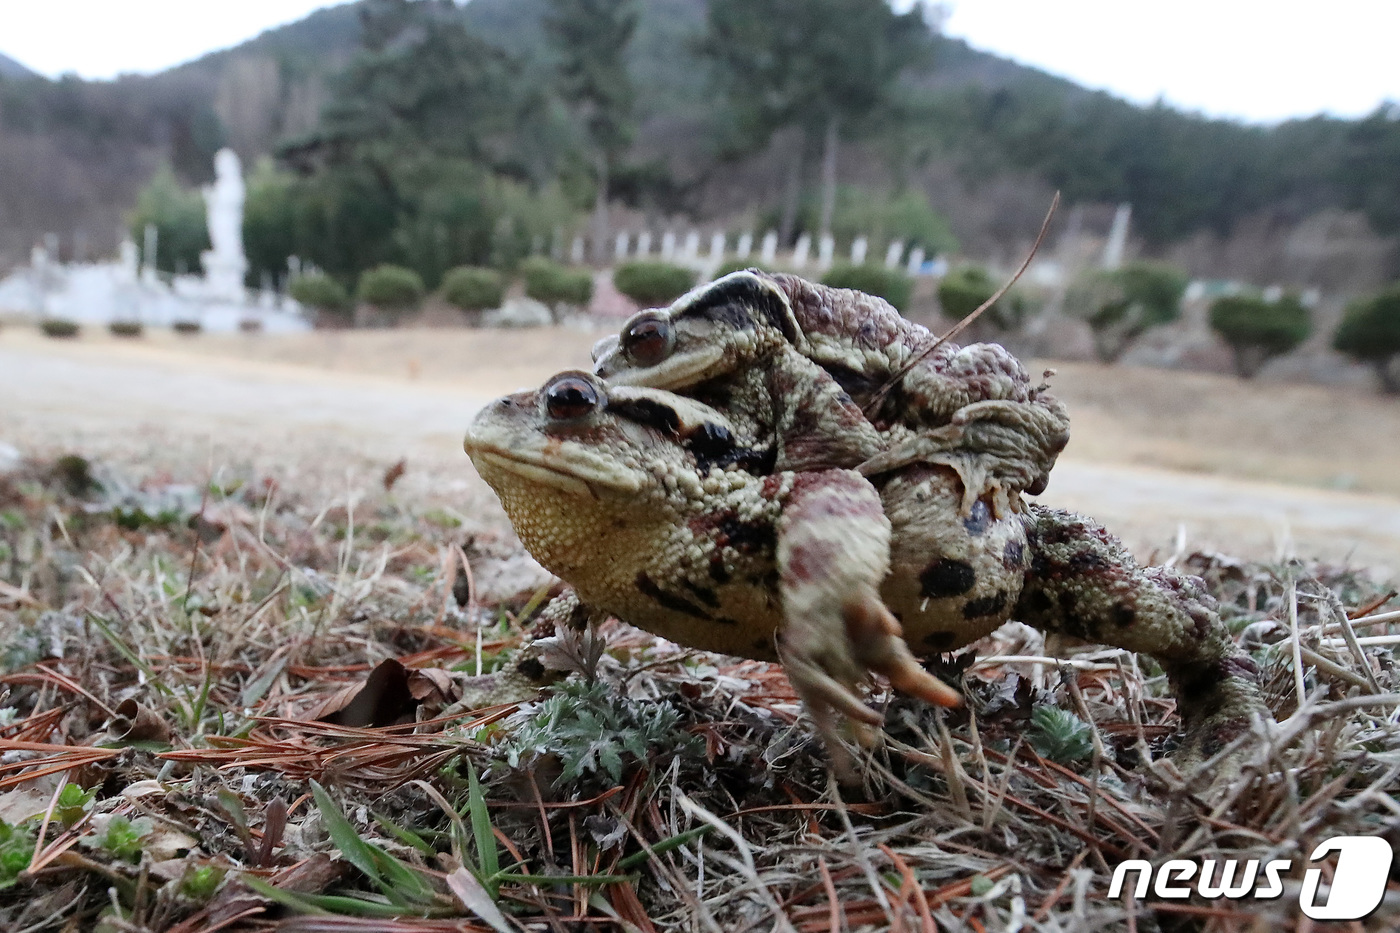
(648,340)
(571,395)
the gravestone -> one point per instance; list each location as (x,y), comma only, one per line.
(620,251)
(769,251)
(692,246)
(916,260)
(644,244)
(745,246)
(826,251)
(894,254)
(1117,237)
(668,246)
(576,251)
(801,251)
(858,251)
(717,248)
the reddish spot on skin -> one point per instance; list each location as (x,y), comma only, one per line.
(807,562)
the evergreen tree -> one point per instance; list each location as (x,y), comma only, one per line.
(827,67)
(590,39)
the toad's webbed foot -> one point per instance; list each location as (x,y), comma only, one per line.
(833,552)
(1083,583)
(1001,447)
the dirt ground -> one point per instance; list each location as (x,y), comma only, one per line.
(1255,470)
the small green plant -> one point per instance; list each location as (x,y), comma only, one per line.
(473,288)
(320,292)
(126,328)
(653,284)
(1122,305)
(16,849)
(556,285)
(1258,330)
(73,804)
(1060,735)
(1370,332)
(590,727)
(200,883)
(74,472)
(121,837)
(392,289)
(59,328)
(890,284)
(188,328)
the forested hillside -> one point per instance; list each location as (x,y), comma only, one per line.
(982,139)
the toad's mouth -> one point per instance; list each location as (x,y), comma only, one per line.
(568,467)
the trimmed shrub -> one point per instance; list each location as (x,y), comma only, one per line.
(392,289)
(126,328)
(320,292)
(473,288)
(1122,305)
(890,284)
(1258,330)
(739,265)
(652,284)
(188,328)
(554,284)
(60,328)
(1370,331)
(964,289)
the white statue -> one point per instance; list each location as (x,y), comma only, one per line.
(225,265)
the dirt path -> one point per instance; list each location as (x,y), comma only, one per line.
(173,408)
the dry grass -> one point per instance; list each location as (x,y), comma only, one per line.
(181,652)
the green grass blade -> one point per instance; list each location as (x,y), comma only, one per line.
(486,852)
(356,851)
(323,903)
(125,651)
(407,836)
(665,845)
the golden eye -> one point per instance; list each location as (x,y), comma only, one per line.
(571,395)
(648,340)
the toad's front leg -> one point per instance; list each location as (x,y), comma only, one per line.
(833,554)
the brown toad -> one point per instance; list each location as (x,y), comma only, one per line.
(644,503)
(824,375)
(647,505)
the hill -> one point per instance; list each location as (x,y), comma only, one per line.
(984,138)
(9,68)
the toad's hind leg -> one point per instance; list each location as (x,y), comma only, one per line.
(1082,582)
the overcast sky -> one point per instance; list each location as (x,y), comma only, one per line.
(1258,60)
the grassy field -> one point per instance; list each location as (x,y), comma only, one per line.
(239,690)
